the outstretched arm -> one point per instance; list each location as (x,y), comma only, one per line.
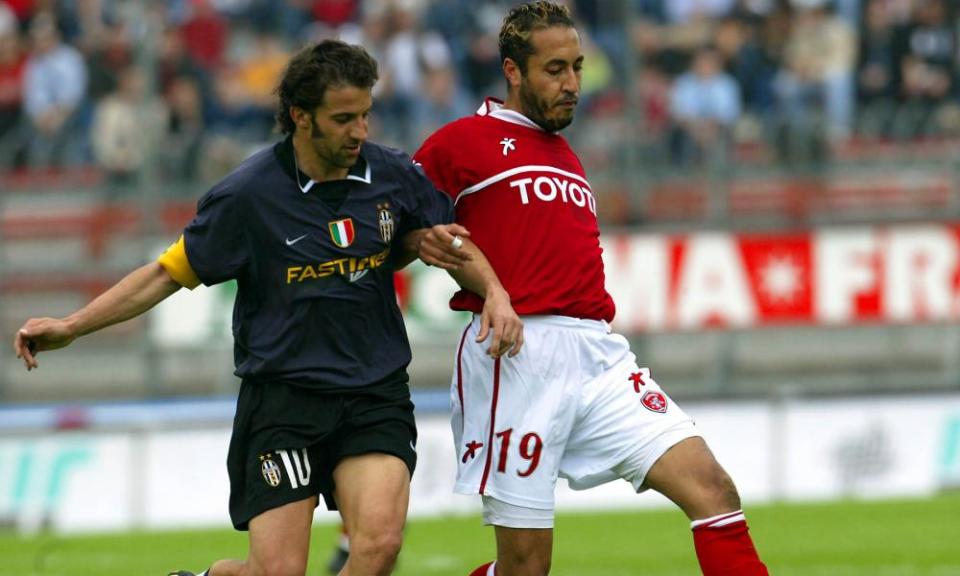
(474,273)
(136,293)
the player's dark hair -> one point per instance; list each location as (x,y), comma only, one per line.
(327,64)
(525,19)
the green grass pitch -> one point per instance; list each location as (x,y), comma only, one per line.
(891,538)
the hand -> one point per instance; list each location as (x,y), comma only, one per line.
(438,247)
(498,315)
(39,334)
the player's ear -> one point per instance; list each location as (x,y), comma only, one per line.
(512,72)
(300,116)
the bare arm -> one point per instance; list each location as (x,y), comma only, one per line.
(136,293)
(477,275)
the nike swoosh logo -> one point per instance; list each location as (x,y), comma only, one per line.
(295,240)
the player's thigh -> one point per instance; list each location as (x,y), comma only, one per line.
(275,457)
(690,476)
(372,493)
(280,539)
(626,423)
(516,416)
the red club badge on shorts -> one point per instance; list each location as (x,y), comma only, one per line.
(654,401)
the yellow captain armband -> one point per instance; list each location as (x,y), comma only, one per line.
(174,261)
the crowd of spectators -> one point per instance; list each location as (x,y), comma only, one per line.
(802,74)
(184,87)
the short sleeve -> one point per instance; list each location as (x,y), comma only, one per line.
(427,206)
(215,241)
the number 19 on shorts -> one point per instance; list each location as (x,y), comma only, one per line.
(529,448)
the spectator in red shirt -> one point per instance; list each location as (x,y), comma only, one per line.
(205,35)
(12,62)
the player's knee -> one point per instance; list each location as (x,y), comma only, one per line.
(281,565)
(378,550)
(720,493)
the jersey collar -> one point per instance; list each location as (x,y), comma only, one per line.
(359,172)
(493,107)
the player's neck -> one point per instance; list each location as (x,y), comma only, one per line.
(513,103)
(310,163)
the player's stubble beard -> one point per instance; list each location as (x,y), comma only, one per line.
(320,143)
(536,109)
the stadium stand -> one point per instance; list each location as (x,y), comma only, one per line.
(846,112)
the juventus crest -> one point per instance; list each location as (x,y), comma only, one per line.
(386,221)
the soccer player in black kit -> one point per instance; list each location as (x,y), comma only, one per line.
(312,229)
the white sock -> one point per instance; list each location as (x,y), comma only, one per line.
(721,520)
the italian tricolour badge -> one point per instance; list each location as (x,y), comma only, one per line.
(342,232)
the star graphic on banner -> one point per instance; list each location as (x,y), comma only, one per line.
(780,279)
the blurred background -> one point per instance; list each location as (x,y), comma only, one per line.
(776,182)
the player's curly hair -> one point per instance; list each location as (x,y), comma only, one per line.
(522,21)
(326,64)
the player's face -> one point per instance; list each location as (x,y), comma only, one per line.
(339,125)
(550,89)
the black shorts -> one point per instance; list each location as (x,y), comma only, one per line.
(287,440)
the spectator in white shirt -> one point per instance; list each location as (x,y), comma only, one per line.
(704,105)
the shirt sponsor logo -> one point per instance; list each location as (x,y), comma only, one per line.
(342,232)
(354,268)
(552,188)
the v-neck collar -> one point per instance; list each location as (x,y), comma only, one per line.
(359,172)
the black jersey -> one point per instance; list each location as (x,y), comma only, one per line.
(314,263)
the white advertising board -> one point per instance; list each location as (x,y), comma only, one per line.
(799,450)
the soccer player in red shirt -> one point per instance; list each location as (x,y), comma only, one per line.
(573,402)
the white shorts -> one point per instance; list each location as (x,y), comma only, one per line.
(573,403)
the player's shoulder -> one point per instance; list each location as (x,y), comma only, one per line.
(459,131)
(376,152)
(387,159)
(247,178)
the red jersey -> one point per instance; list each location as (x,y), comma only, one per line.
(522,193)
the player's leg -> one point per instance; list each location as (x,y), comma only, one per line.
(274,479)
(374,456)
(690,476)
(628,427)
(524,551)
(511,420)
(279,543)
(338,559)
(372,492)
(524,539)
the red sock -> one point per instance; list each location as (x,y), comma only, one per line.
(485,570)
(724,547)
